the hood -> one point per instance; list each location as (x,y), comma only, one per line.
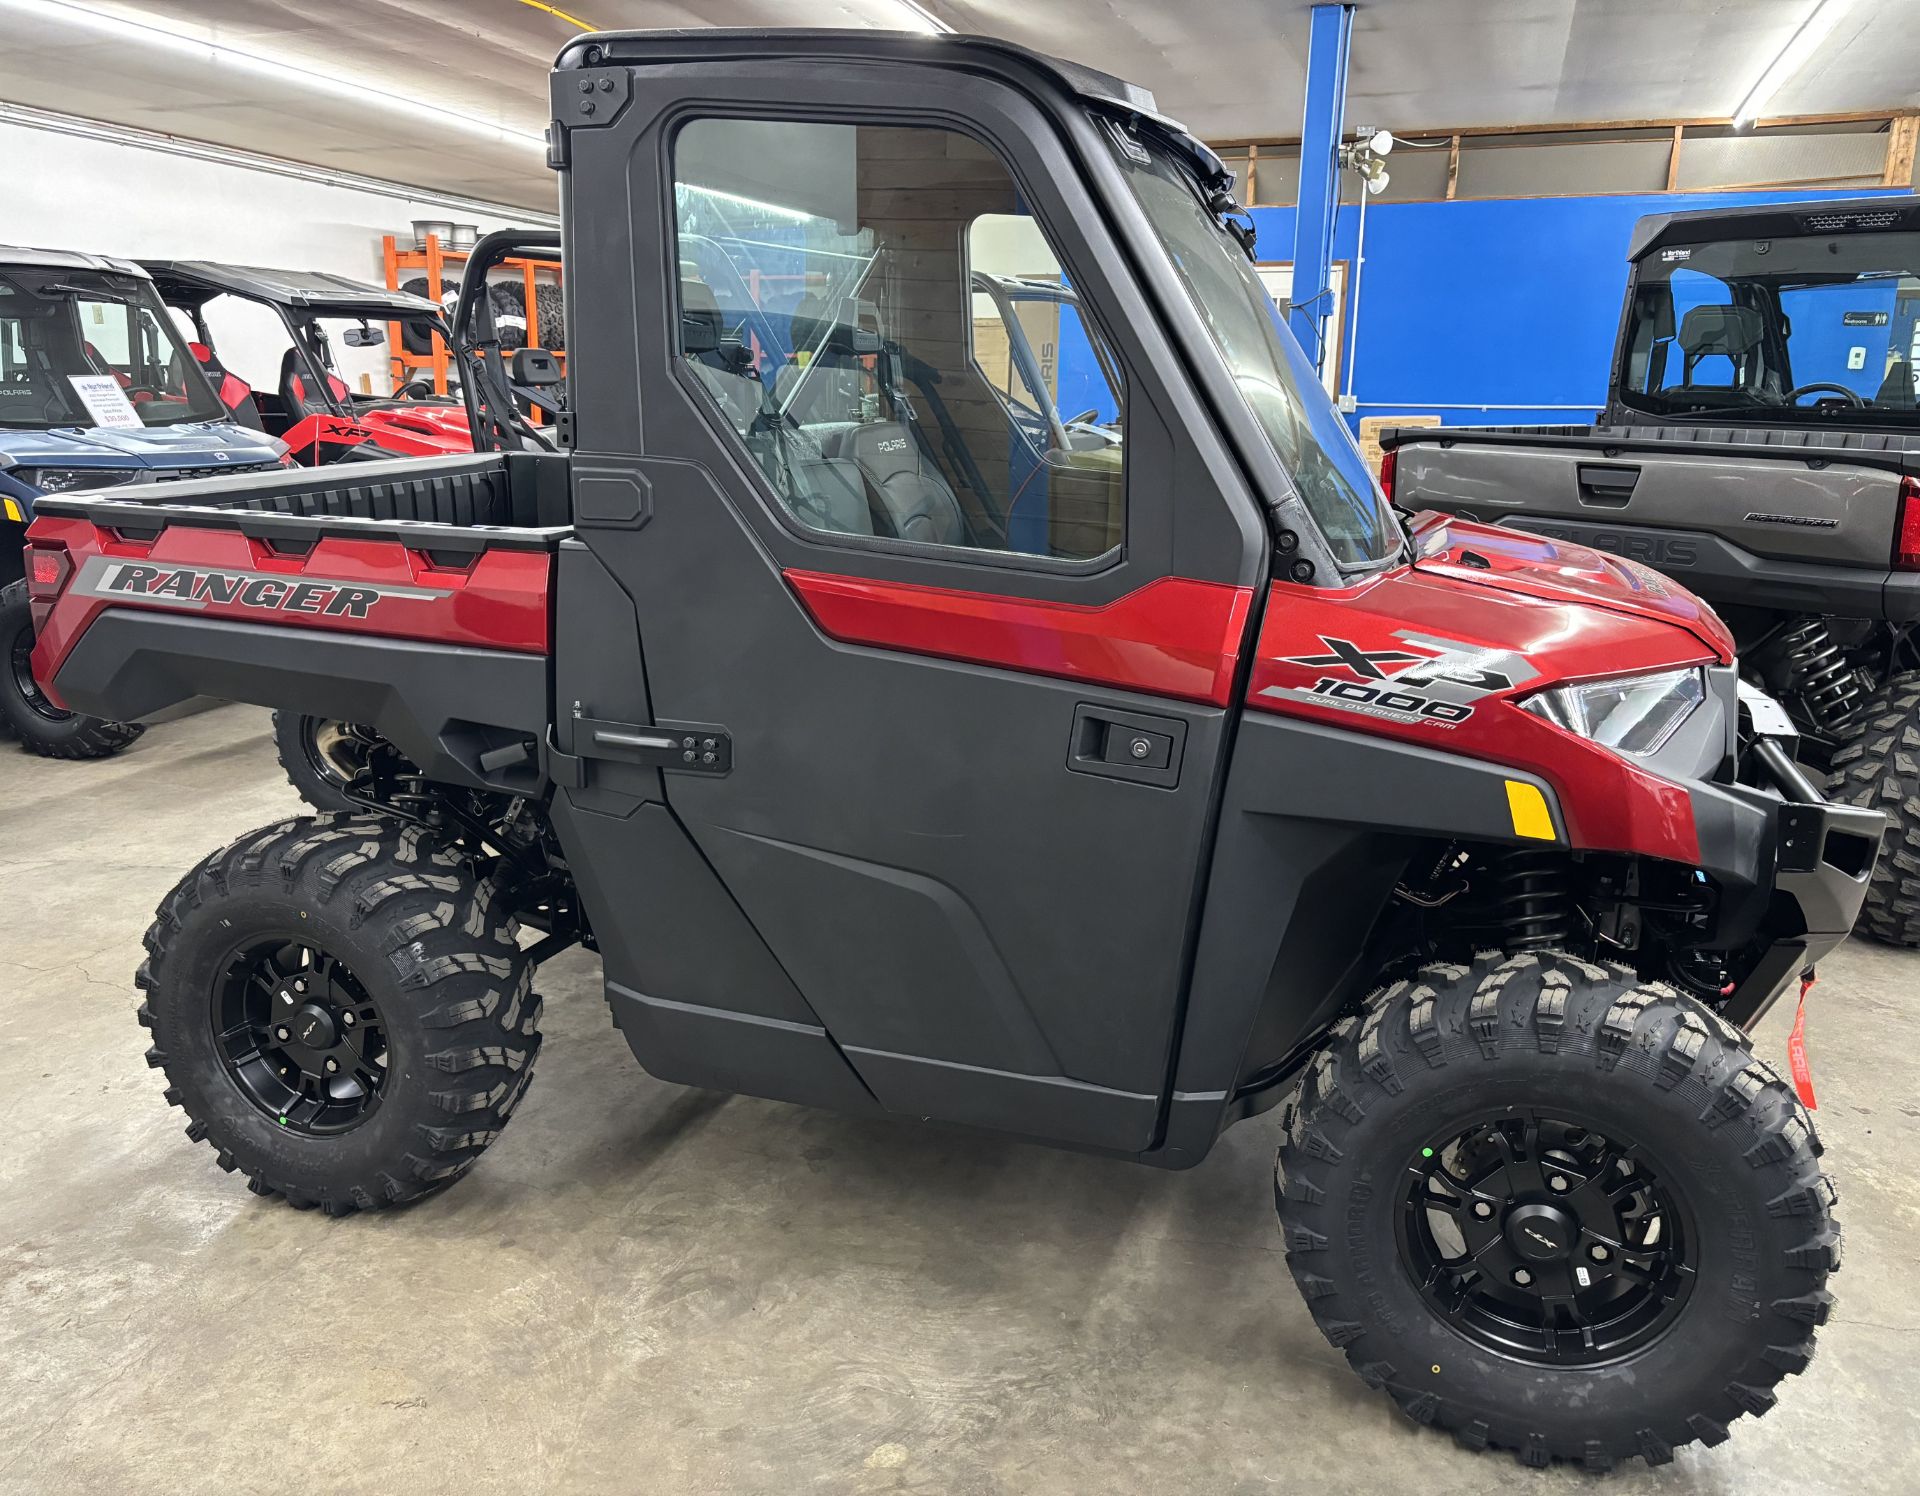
(1536,566)
(193,444)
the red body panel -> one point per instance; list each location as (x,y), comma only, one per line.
(499,602)
(1399,625)
(422,431)
(1553,570)
(1173,637)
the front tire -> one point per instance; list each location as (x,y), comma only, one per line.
(1681,1239)
(341,1009)
(1879,767)
(42,727)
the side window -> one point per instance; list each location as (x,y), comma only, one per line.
(893,339)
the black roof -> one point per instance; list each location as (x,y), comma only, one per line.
(1890,212)
(665,47)
(195,281)
(20,256)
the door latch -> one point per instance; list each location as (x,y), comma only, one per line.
(1126,745)
(686,747)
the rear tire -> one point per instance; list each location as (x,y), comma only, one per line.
(42,727)
(406,970)
(320,757)
(1727,1287)
(1880,768)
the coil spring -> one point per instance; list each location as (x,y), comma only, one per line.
(1531,903)
(1827,687)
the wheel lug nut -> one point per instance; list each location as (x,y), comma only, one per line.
(1599,1254)
(1481,1209)
(332,1065)
(1522,1276)
(283,1033)
(1558,1184)
(347,1019)
(300,984)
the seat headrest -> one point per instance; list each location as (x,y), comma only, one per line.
(701,325)
(1730,331)
(883,450)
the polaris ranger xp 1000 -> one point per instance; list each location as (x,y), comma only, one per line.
(906,748)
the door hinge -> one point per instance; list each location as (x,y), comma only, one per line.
(684,747)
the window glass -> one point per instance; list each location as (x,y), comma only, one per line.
(893,338)
(1800,330)
(1275,378)
(68,324)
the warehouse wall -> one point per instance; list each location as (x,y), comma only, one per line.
(119,198)
(1508,307)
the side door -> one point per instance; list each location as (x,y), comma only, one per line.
(970,712)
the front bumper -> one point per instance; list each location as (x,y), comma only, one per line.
(1792,866)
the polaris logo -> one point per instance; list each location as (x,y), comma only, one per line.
(199,587)
(892,444)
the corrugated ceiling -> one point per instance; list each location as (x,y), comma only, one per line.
(1229,68)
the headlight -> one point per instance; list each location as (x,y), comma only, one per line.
(1634,714)
(66,480)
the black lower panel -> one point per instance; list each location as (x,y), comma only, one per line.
(1050,1107)
(443,705)
(738,1052)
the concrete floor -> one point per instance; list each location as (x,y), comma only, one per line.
(643,1288)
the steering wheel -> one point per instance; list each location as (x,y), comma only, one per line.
(415,389)
(1852,397)
(1085,416)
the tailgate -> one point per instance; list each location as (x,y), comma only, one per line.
(1801,506)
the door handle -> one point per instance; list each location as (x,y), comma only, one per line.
(1606,487)
(1126,745)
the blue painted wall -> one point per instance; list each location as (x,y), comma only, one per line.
(1507,305)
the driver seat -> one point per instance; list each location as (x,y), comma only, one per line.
(301,402)
(909,497)
(234,392)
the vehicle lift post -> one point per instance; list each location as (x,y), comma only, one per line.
(1328,43)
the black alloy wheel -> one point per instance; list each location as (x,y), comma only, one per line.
(1541,1240)
(42,727)
(300,1037)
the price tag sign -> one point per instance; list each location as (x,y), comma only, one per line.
(105,401)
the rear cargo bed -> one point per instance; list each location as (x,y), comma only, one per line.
(517,500)
(412,596)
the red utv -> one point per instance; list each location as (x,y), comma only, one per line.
(311,406)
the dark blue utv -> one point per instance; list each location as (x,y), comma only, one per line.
(98,388)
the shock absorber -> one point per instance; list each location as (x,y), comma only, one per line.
(1826,688)
(1531,903)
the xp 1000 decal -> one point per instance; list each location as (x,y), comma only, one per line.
(170,584)
(1419,679)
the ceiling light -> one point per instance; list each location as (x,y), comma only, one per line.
(1824,16)
(164,35)
(919,18)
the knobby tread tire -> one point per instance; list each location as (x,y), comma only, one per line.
(1680,1081)
(290,733)
(431,944)
(75,736)
(1880,768)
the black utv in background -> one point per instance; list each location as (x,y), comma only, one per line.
(1761,442)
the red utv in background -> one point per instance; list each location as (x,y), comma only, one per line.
(312,408)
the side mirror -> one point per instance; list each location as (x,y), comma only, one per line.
(536,368)
(363,337)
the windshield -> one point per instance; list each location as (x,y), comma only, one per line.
(88,348)
(1275,378)
(1811,330)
